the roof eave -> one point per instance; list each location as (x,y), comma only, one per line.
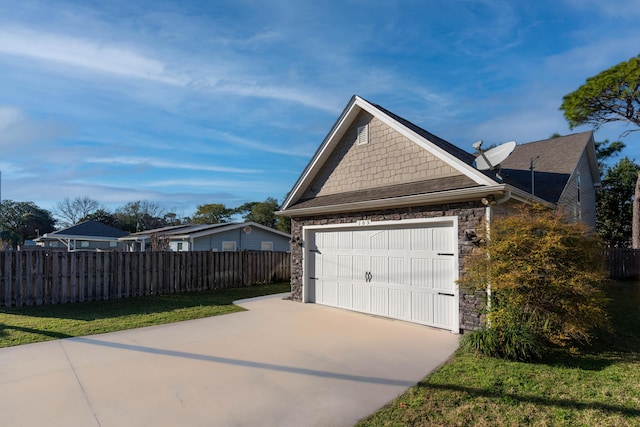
(459,195)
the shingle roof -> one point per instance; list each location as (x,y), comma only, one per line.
(554,161)
(445,145)
(408,189)
(90,228)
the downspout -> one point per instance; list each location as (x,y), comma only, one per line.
(488,203)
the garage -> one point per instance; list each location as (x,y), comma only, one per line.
(404,270)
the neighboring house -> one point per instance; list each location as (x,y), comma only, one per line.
(224,237)
(87,235)
(385,214)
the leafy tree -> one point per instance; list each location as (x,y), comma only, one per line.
(140,215)
(605,150)
(72,211)
(263,212)
(20,221)
(245,208)
(614,203)
(283,223)
(212,213)
(103,216)
(171,218)
(545,276)
(611,96)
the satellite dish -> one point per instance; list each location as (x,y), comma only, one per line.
(492,158)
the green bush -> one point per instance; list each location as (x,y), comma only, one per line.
(514,343)
(545,277)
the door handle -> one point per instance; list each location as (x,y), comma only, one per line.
(367,276)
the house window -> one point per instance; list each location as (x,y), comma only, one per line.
(179,246)
(53,244)
(266,246)
(578,183)
(84,244)
(363,134)
(113,244)
(228,246)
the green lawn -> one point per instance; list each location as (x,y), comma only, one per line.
(47,322)
(598,387)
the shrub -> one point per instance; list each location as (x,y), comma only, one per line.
(545,277)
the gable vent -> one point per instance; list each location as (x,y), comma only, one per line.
(363,134)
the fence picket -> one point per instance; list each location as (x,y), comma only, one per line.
(52,277)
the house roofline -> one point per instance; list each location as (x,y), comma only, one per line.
(355,105)
(209,231)
(459,195)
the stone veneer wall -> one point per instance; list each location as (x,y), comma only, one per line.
(470,217)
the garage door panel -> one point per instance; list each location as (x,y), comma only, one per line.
(360,240)
(329,292)
(360,267)
(398,303)
(379,241)
(442,313)
(398,271)
(441,240)
(422,307)
(379,269)
(442,274)
(329,266)
(360,297)
(345,267)
(420,239)
(379,300)
(345,295)
(398,239)
(421,273)
(345,240)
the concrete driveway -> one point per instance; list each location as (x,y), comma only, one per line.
(281,363)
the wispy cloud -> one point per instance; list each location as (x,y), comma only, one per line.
(18,131)
(84,53)
(166,164)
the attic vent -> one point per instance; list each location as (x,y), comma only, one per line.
(363,134)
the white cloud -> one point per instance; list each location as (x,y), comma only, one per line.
(84,53)
(159,163)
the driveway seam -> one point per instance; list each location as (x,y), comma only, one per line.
(84,392)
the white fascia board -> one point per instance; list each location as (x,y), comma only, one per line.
(465,194)
(474,193)
(443,155)
(338,129)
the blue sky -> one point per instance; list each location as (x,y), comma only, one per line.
(194,102)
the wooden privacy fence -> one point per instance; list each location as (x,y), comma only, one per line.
(623,263)
(52,277)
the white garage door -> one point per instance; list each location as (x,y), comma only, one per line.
(405,272)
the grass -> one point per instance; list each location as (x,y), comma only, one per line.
(42,323)
(600,386)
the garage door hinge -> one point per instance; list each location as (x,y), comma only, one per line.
(445,253)
(314,250)
(313,278)
(444,293)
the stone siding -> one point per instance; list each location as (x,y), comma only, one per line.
(388,159)
(470,217)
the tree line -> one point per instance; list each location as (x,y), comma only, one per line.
(21,221)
